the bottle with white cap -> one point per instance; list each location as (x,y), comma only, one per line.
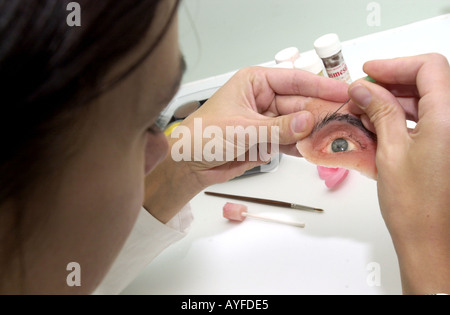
(287,56)
(310,63)
(329,48)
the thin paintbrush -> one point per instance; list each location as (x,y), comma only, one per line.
(265,201)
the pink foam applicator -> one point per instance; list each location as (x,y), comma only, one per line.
(332,176)
(237,212)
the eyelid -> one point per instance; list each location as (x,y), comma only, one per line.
(324,145)
(343,118)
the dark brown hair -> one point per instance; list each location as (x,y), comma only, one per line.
(48,68)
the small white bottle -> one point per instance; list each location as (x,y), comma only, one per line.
(310,63)
(287,55)
(329,48)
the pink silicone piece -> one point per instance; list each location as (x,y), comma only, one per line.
(233,211)
(332,176)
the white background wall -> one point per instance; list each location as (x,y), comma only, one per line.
(218,36)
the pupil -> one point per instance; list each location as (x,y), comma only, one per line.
(339,145)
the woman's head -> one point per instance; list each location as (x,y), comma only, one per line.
(77,104)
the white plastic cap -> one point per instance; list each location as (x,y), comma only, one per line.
(310,63)
(288,54)
(327,45)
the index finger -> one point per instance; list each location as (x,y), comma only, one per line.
(429,72)
(299,82)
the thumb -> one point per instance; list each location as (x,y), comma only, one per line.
(292,127)
(384,112)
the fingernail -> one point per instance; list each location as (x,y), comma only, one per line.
(361,96)
(300,123)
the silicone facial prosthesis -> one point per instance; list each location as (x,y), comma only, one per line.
(339,140)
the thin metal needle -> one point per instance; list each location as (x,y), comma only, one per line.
(341,106)
(369,79)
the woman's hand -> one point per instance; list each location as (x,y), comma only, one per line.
(413,165)
(235,130)
(256,114)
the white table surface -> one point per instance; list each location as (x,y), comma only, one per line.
(338,252)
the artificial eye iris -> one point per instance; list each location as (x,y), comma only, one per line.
(339,145)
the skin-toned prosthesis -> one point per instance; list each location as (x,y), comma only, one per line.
(339,139)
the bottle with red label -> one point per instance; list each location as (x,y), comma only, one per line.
(329,49)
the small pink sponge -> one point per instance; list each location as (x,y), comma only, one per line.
(234,212)
(332,176)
